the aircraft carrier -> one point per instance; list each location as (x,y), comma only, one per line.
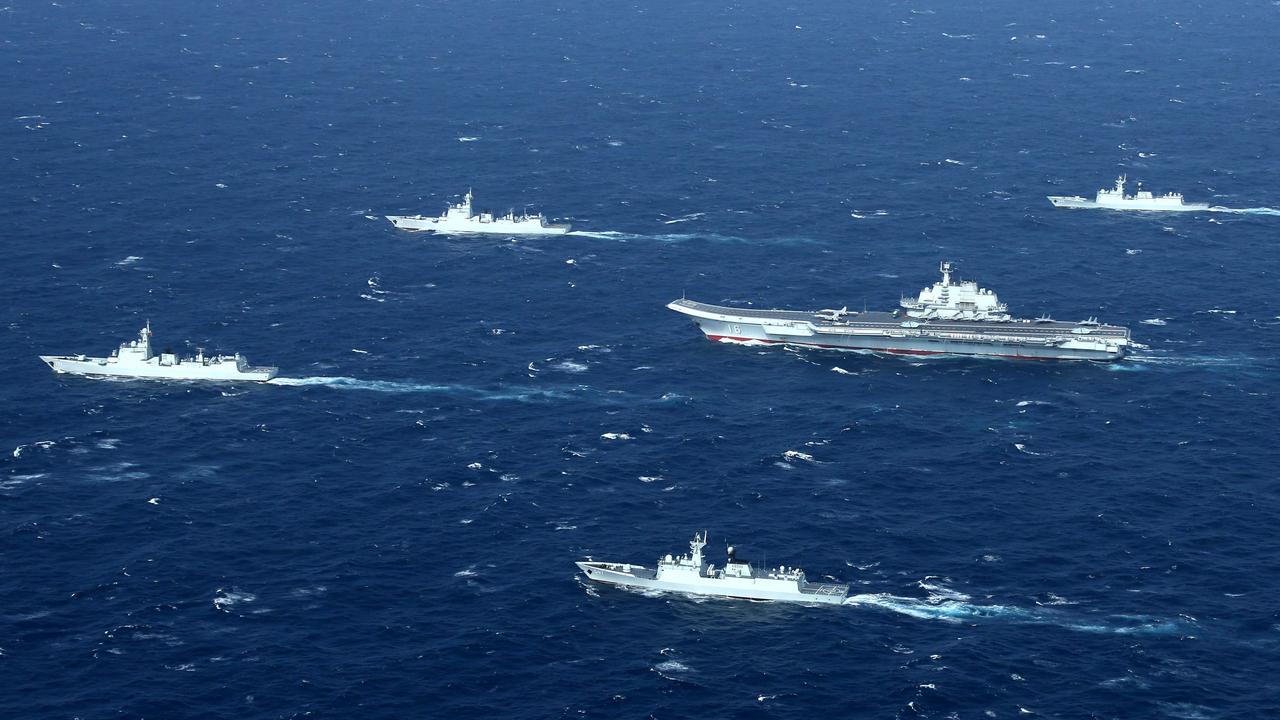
(953,317)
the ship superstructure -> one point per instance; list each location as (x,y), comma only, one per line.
(691,573)
(950,317)
(460,218)
(135,359)
(1115,199)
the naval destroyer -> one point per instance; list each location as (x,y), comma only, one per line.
(460,219)
(951,317)
(134,359)
(690,573)
(1115,199)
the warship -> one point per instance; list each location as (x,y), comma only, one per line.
(460,218)
(1115,199)
(691,574)
(951,318)
(134,359)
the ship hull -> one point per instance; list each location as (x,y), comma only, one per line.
(103,367)
(728,588)
(1083,203)
(883,333)
(497,227)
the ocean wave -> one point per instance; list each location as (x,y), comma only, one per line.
(225,600)
(20,450)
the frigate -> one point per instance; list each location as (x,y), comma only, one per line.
(691,574)
(134,359)
(1115,199)
(951,317)
(459,218)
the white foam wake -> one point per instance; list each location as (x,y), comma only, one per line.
(604,235)
(688,237)
(390,386)
(1246,211)
(954,610)
(1192,360)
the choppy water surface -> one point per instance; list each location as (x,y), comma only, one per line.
(389,528)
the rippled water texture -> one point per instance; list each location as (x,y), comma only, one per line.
(388,530)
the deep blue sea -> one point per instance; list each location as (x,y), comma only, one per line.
(389,531)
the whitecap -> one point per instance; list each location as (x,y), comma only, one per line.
(129,260)
(671,666)
(939,592)
(39,444)
(797,455)
(224,600)
(684,218)
(616,436)
(1154,321)
(468,138)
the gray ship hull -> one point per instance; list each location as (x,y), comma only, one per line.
(108,367)
(884,332)
(756,589)
(1134,205)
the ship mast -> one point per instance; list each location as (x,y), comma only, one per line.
(144,339)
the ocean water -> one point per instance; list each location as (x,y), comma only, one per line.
(389,530)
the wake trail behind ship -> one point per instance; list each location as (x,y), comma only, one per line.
(1245,211)
(390,386)
(960,610)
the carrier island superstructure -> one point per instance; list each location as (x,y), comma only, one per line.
(692,574)
(952,317)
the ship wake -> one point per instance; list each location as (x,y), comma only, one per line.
(1246,211)
(674,238)
(390,386)
(959,609)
